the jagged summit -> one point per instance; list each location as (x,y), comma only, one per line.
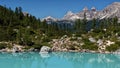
(85,9)
(93,9)
(50,18)
(90,14)
(116,3)
(70,13)
(110,11)
(70,16)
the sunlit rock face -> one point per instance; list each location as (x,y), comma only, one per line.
(112,10)
(109,12)
(85,13)
(45,49)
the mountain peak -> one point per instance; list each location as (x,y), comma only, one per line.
(69,13)
(85,9)
(110,11)
(116,3)
(49,18)
(93,9)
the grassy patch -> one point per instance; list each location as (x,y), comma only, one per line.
(112,48)
(3,45)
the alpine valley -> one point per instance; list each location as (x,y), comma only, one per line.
(86,31)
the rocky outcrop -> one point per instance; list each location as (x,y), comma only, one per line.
(111,11)
(49,18)
(100,42)
(45,49)
(17,48)
(66,43)
(71,16)
(91,39)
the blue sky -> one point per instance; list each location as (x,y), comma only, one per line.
(55,8)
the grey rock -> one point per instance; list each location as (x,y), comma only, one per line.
(45,49)
(92,39)
(100,42)
(15,49)
(110,11)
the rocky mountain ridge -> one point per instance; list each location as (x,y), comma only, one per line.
(110,11)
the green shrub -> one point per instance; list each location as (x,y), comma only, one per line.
(27,47)
(73,39)
(89,45)
(37,46)
(46,39)
(45,44)
(118,43)
(78,35)
(112,48)
(3,45)
(30,43)
(72,47)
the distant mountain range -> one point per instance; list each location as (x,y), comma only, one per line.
(110,11)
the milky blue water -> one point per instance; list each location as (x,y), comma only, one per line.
(59,60)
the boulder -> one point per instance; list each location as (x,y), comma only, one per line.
(100,42)
(92,40)
(45,49)
(15,49)
(108,43)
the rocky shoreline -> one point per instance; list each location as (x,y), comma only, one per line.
(66,44)
(46,49)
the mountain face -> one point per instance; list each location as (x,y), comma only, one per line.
(109,12)
(89,14)
(71,16)
(49,18)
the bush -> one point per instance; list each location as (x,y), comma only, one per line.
(72,47)
(118,43)
(96,30)
(37,46)
(89,45)
(73,39)
(3,45)
(46,39)
(112,48)
(30,43)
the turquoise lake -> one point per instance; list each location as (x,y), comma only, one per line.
(59,60)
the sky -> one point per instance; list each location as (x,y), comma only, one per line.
(55,8)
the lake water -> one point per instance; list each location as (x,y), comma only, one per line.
(59,60)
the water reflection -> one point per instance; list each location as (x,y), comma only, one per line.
(81,60)
(59,60)
(44,55)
